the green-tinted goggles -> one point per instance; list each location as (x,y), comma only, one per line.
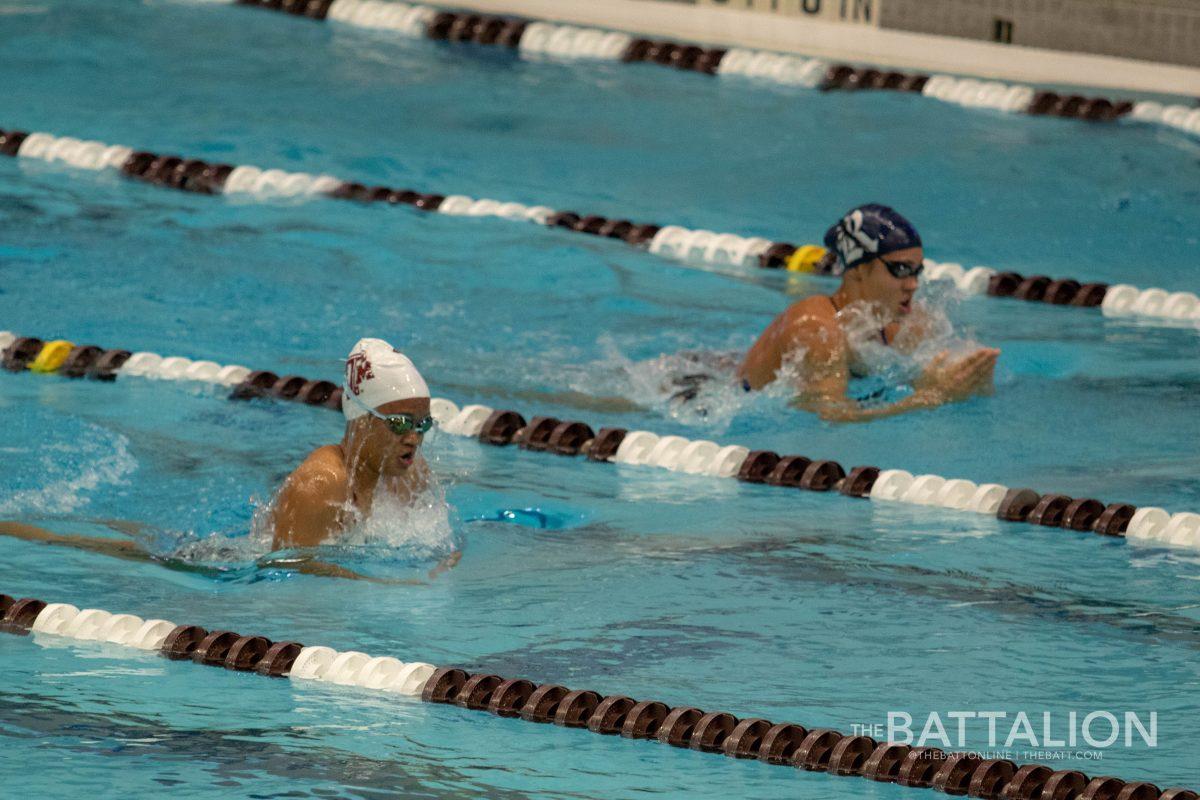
(399,424)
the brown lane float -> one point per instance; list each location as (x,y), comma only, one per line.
(20,615)
(780,743)
(316,393)
(990,777)
(745,741)
(776,256)
(606,444)
(576,708)
(1018,504)
(277,661)
(1032,288)
(214,648)
(609,717)
(543,703)
(788,471)
(821,476)
(18,355)
(920,766)
(954,776)
(1049,510)
(712,730)
(849,756)
(569,438)
(510,697)
(288,387)
(645,719)
(247,653)
(10,142)
(814,752)
(536,435)
(444,685)
(183,641)
(884,763)
(1082,514)
(677,728)
(476,693)
(80,360)
(256,384)
(758,466)
(1115,519)
(859,482)
(1040,288)
(106,366)
(500,427)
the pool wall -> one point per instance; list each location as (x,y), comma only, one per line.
(868,42)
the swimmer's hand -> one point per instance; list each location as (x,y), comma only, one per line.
(952,380)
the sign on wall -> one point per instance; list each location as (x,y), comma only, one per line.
(863,12)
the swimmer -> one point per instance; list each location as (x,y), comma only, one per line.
(880,257)
(386,404)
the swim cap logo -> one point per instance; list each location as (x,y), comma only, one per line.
(358,369)
(852,242)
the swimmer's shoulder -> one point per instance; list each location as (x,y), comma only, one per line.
(817,311)
(322,476)
(812,318)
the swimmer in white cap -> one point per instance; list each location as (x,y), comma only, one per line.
(386,404)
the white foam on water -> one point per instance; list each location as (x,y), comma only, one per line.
(417,530)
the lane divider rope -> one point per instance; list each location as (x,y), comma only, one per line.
(787,744)
(641,448)
(544,40)
(670,242)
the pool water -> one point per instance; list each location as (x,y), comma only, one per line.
(792,606)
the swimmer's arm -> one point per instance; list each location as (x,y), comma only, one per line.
(119,548)
(825,381)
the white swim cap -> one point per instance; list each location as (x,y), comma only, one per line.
(377,373)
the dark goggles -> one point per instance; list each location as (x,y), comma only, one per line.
(903,269)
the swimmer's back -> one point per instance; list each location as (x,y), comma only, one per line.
(310,504)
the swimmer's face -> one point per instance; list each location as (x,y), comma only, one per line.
(383,450)
(879,286)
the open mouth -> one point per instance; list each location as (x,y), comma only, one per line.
(906,305)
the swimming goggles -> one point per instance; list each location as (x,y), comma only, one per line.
(399,424)
(903,269)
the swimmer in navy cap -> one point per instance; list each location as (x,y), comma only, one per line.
(386,404)
(879,255)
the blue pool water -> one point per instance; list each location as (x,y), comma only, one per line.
(790,606)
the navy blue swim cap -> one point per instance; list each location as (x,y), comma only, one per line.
(868,232)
